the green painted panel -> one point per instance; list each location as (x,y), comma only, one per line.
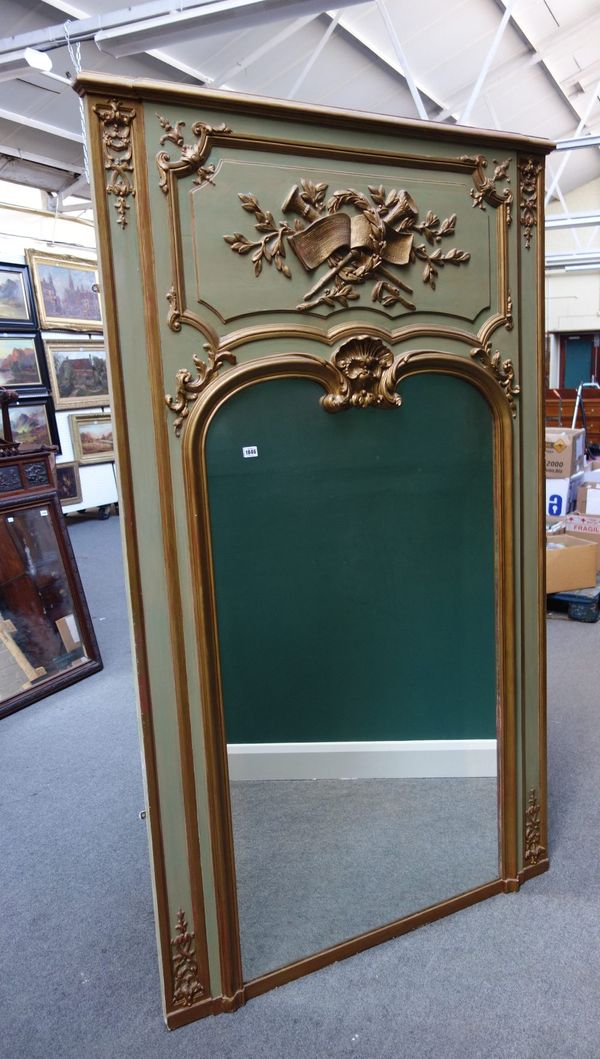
(354,564)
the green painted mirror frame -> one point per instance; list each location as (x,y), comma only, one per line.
(428,261)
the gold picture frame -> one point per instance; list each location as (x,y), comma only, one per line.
(78,373)
(66,292)
(68,483)
(92,436)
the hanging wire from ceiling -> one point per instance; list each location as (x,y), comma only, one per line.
(75,53)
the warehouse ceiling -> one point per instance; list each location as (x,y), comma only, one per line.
(527,66)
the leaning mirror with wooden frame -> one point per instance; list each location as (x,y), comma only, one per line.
(47,640)
(325,333)
(356,651)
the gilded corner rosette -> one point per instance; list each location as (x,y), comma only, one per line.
(528,197)
(187,988)
(116,119)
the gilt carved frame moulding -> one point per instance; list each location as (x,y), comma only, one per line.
(398,248)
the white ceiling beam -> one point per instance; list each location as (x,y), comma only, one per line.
(212,16)
(575,142)
(401,57)
(561,37)
(10,151)
(573,220)
(67,8)
(73,187)
(588,259)
(584,78)
(78,13)
(314,56)
(533,55)
(273,42)
(465,117)
(74,207)
(175,64)
(386,64)
(42,126)
(156,23)
(565,161)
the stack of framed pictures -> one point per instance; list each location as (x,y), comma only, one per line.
(22,361)
(52,353)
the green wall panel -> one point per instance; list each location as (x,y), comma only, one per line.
(354,564)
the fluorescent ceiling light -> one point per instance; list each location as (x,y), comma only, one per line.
(16,63)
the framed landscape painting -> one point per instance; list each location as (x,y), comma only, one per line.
(20,362)
(33,423)
(69,483)
(78,373)
(17,312)
(92,437)
(66,292)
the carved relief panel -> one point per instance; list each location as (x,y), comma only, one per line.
(283,264)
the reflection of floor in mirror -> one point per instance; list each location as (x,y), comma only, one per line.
(319,861)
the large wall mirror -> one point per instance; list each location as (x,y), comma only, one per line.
(325,332)
(357,628)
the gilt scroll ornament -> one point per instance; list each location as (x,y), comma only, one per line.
(187,988)
(188,387)
(502,370)
(485,189)
(360,239)
(116,119)
(364,366)
(534,851)
(192,156)
(528,197)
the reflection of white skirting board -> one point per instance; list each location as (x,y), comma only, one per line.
(301,761)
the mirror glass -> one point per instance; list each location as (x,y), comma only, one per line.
(39,633)
(354,568)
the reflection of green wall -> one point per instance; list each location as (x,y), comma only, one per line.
(354,564)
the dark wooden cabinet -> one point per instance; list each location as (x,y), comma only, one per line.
(560,405)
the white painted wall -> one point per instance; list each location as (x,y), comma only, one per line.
(25,222)
(573,298)
(412,759)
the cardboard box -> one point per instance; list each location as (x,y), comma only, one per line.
(588,498)
(565,451)
(561,494)
(593,537)
(570,563)
(588,524)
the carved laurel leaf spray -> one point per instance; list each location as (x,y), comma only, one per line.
(360,239)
